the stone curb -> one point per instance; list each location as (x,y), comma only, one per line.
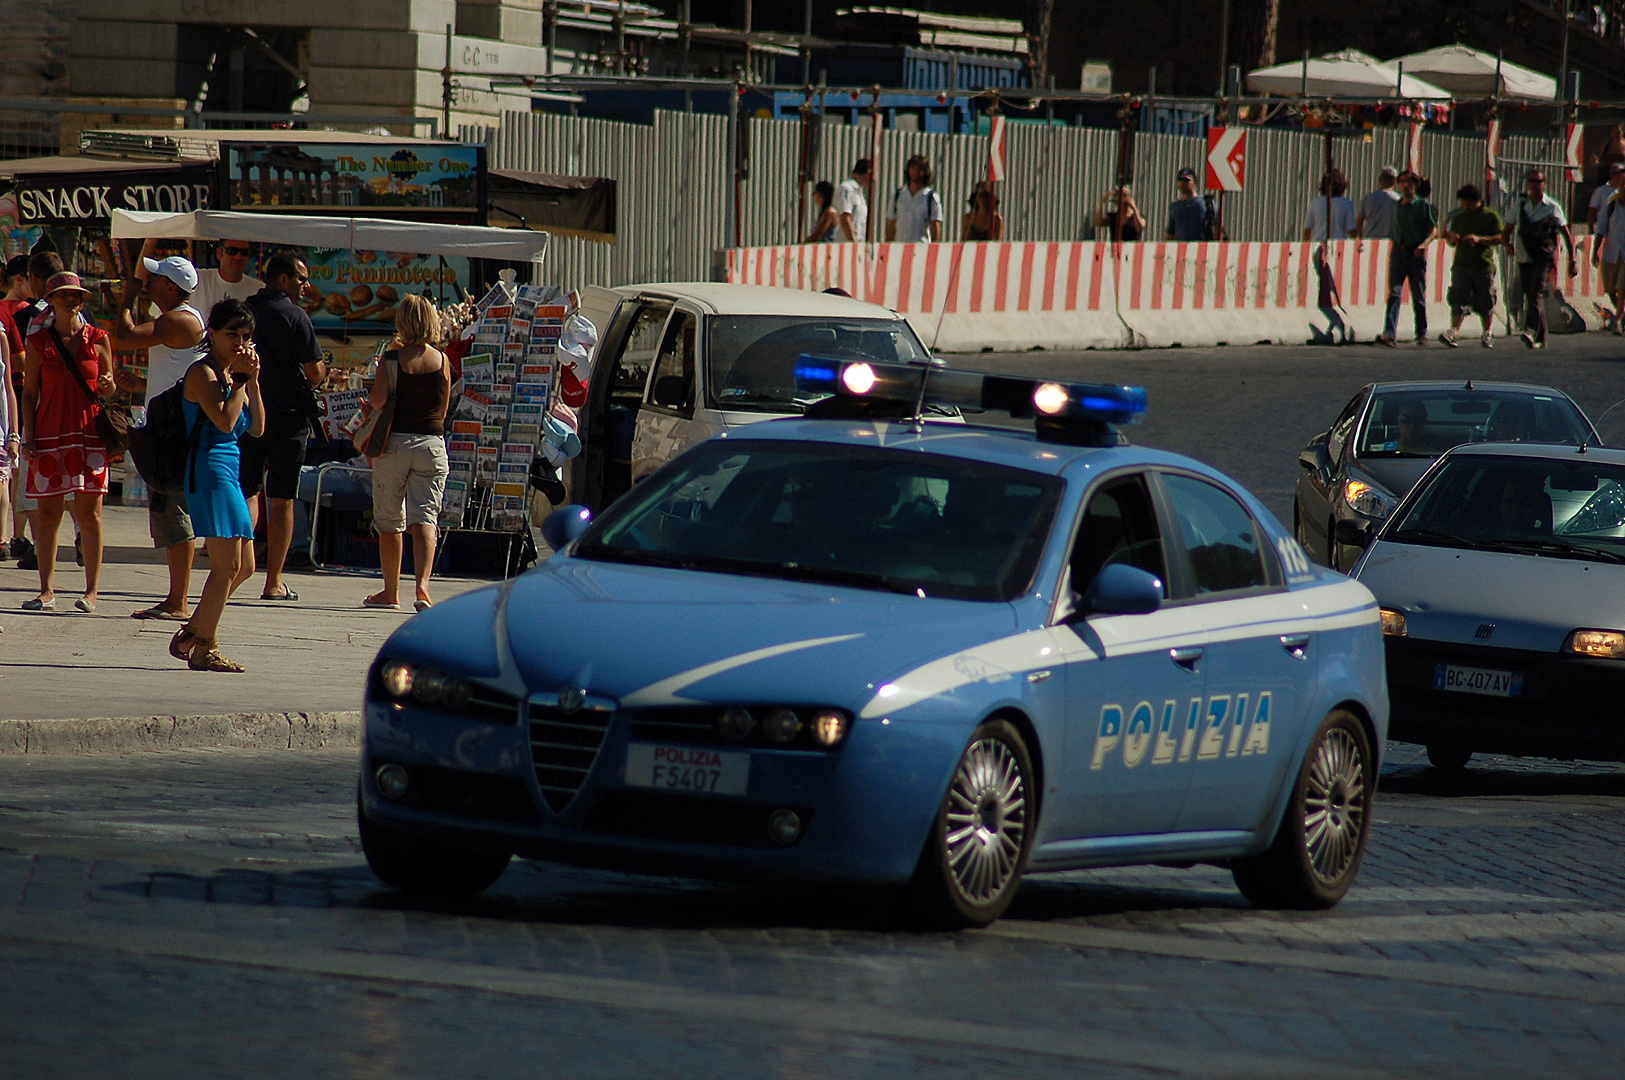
(117,735)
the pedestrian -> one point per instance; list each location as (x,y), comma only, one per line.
(1331,200)
(1414,224)
(222,388)
(826,222)
(409,477)
(230,281)
(24,304)
(69,367)
(915,213)
(1536,224)
(11,359)
(1609,251)
(172,342)
(983,221)
(1376,217)
(1117,213)
(291,364)
(852,203)
(11,439)
(1187,215)
(1475,231)
(1612,150)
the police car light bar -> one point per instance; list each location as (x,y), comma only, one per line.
(1065,412)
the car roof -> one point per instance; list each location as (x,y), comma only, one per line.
(720,298)
(1441,385)
(1002,446)
(1547,451)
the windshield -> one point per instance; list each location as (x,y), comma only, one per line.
(1427,423)
(751,359)
(873,518)
(1563,508)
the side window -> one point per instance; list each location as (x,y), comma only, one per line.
(1222,542)
(1343,427)
(672,386)
(1118,526)
(638,354)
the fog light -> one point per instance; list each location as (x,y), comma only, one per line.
(735,725)
(392,781)
(784,827)
(1393,623)
(396,678)
(829,728)
(1608,644)
(781,726)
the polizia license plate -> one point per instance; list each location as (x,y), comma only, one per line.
(698,769)
(1471,680)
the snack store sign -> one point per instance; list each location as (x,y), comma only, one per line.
(74,199)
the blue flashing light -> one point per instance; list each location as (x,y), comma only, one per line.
(814,374)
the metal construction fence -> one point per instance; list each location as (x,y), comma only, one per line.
(674,182)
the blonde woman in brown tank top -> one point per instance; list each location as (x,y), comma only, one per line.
(409,477)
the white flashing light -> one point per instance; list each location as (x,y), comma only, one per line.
(1050,398)
(858,378)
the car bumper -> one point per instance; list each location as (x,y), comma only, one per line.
(1566,706)
(865,807)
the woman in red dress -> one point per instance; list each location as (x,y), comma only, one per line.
(59,434)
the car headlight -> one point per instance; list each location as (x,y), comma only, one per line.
(1368,499)
(1393,623)
(1607,644)
(829,728)
(397,677)
(402,680)
(781,725)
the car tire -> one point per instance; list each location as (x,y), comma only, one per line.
(973,860)
(1321,837)
(1448,758)
(425,867)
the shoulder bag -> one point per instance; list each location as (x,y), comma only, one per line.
(112,421)
(373,435)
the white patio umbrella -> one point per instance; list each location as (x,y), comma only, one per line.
(1349,73)
(1469,72)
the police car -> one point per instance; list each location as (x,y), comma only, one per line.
(866,647)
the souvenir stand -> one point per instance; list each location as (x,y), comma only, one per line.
(495,429)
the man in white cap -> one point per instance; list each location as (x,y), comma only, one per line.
(172,340)
(231,281)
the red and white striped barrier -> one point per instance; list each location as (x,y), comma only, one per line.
(1081,294)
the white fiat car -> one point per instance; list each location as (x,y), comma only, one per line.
(679,362)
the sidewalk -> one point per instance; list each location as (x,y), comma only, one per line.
(74,683)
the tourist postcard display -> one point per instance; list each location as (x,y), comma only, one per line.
(505,390)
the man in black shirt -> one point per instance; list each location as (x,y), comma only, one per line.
(290,360)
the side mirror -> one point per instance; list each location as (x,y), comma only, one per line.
(565,524)
(1120,589)
(1314,458)
(671,391)
(1352,533)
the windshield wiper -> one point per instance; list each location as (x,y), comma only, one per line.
(605,553)
(837,576)
(1563,551)
(731,397)
(751,567)
(1432,537)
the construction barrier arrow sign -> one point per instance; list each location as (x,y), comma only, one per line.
(1226,158)
(1572,146)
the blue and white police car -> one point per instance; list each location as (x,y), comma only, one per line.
(867,647)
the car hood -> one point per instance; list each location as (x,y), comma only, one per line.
(1533,602)
(646,636)
(1397,475)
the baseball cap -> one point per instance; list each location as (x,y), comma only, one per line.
(1389,170)
(16,266)
(1187,173)
(176,269)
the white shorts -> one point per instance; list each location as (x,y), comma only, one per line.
(409,482)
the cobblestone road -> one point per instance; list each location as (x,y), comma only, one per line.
(206,913)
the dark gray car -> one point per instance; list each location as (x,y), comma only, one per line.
(1352,475)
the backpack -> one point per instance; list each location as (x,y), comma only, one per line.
(163,448)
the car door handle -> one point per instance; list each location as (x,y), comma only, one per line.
(1295,644)
(1186,658)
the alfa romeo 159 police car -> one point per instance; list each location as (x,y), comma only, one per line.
(865,647)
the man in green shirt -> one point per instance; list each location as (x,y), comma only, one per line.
(1475,231)
(1414,224)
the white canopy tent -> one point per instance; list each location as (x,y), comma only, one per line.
(1349,73)
(342,233)
(1469,72)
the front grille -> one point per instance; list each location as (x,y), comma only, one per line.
(563,747)
(684,819)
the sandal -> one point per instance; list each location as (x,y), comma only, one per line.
(180,646)
(205,657)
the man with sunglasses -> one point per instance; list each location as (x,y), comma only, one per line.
(231,281)
(290,361)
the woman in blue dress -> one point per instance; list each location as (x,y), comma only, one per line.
(223,391)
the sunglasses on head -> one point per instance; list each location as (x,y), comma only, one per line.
(225,250)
